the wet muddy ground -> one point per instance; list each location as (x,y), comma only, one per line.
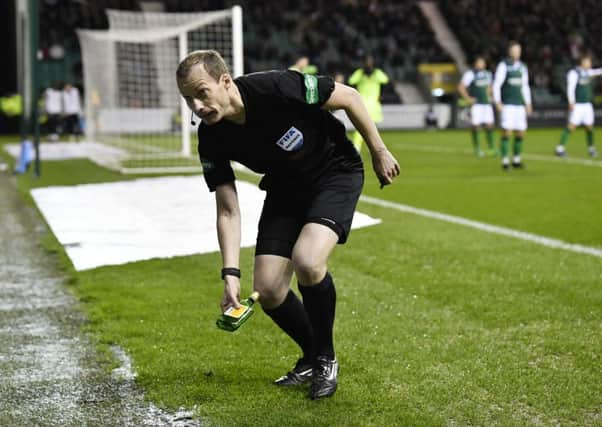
(50,371)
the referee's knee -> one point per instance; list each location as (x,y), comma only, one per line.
(271,295)
(309,271)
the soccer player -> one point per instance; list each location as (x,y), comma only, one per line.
(277,123)
(475,88)
(368,81)
(512,97)
(579,94)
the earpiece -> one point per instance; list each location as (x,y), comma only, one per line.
(192,122)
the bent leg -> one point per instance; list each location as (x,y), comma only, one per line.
(272,279)
(311,252)
(310,259)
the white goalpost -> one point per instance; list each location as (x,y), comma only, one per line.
(133,109)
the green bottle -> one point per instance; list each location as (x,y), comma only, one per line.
(233,318)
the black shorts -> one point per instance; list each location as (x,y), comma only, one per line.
(285,213)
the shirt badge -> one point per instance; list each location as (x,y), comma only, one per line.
(292,140)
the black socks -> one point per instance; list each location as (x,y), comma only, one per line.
(292,319)
(309,323)
(320,301)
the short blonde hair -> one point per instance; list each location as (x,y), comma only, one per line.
(212,61)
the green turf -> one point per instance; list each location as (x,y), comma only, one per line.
(551,197)
(437,324)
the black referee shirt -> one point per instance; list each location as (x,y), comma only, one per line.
(287,135)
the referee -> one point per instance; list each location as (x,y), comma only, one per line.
(277,124)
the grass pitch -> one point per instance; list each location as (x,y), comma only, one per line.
(437,324)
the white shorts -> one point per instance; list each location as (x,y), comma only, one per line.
(514,117)
(582,114)
(481,114)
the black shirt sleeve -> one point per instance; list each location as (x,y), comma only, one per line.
(304,89)
(216,172)
(216,168)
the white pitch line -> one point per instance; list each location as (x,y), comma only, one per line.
(583,162)
(540,240)
(540,157)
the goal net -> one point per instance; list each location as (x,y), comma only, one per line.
(133,108)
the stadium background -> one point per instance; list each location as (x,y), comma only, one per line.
(476,301)
(337,35)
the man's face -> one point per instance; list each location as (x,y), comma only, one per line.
(514,52)
(204,95)
(303,62)
(479,64)
(586,63)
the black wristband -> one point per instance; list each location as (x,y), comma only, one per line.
(230,272)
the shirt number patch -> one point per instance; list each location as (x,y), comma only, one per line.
(292,140)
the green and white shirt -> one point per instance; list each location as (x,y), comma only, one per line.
(579,85)
(477,83)
(511,83)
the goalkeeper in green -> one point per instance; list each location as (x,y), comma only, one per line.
(581,111)
(368,81)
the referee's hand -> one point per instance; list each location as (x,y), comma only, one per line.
(385,166)
(231,296)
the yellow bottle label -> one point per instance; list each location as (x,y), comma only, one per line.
(235,312)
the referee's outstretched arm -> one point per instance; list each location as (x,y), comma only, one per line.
(228,235)
(347,98)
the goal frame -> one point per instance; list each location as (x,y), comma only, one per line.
(146,33)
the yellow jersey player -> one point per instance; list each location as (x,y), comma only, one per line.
(581,111)
(368,81)
(475,88)
(512,97)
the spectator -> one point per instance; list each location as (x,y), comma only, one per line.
(430,118)
(53,105)
(303,66)
(72,110)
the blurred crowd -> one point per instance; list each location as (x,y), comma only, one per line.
(553,34)
(335,35)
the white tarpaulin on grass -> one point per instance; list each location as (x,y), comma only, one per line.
(120,222)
